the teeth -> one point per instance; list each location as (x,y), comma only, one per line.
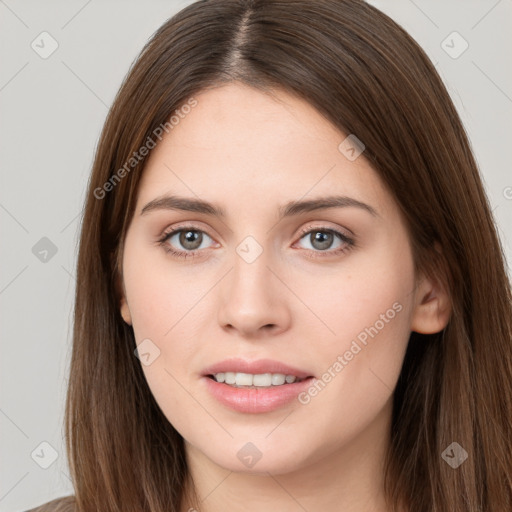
(229,378)
(263,380)
(243,379)
(278,379)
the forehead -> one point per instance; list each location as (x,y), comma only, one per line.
(238,139)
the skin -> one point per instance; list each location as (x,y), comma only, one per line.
(250,152)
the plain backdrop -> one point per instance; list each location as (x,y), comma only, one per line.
(52,110)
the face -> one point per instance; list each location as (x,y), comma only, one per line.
(273,323)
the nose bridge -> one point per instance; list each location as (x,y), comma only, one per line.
(250,299)
(251,275)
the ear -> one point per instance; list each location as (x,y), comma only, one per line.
(125,310)
(123,303)
(119,288)
(432,307)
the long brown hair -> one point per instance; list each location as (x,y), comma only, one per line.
(367,76)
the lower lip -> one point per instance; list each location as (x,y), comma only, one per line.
(256,400)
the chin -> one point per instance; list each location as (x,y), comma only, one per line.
(258,456)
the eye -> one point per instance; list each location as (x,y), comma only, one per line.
(185,242)
(188,241)
(326,240)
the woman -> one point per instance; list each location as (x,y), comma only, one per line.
(291,294)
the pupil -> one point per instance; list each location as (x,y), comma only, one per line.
(189,239)
(321,240)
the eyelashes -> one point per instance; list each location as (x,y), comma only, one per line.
(191,235)
(184,237)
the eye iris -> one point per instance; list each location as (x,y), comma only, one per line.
(191,239)
(323,239)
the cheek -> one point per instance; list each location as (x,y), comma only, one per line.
(159,292)
(366,292)
(368,311)
(164,302)
(360,371)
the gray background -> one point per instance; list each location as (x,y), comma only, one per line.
(52,111)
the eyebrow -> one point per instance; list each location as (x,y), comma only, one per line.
(288,210)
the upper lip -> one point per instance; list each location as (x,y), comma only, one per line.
(256,367)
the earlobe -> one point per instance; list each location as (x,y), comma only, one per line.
(432,308)
(121,292)
(125,311)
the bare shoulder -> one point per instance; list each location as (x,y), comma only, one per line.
(65,504)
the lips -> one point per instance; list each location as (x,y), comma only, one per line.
(261,366)
(258,397)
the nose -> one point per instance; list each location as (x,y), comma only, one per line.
(253,302)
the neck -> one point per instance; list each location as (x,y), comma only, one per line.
(350,479)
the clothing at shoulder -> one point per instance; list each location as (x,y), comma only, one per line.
(65,504)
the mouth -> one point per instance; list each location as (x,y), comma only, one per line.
(255,386)
(255,381)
